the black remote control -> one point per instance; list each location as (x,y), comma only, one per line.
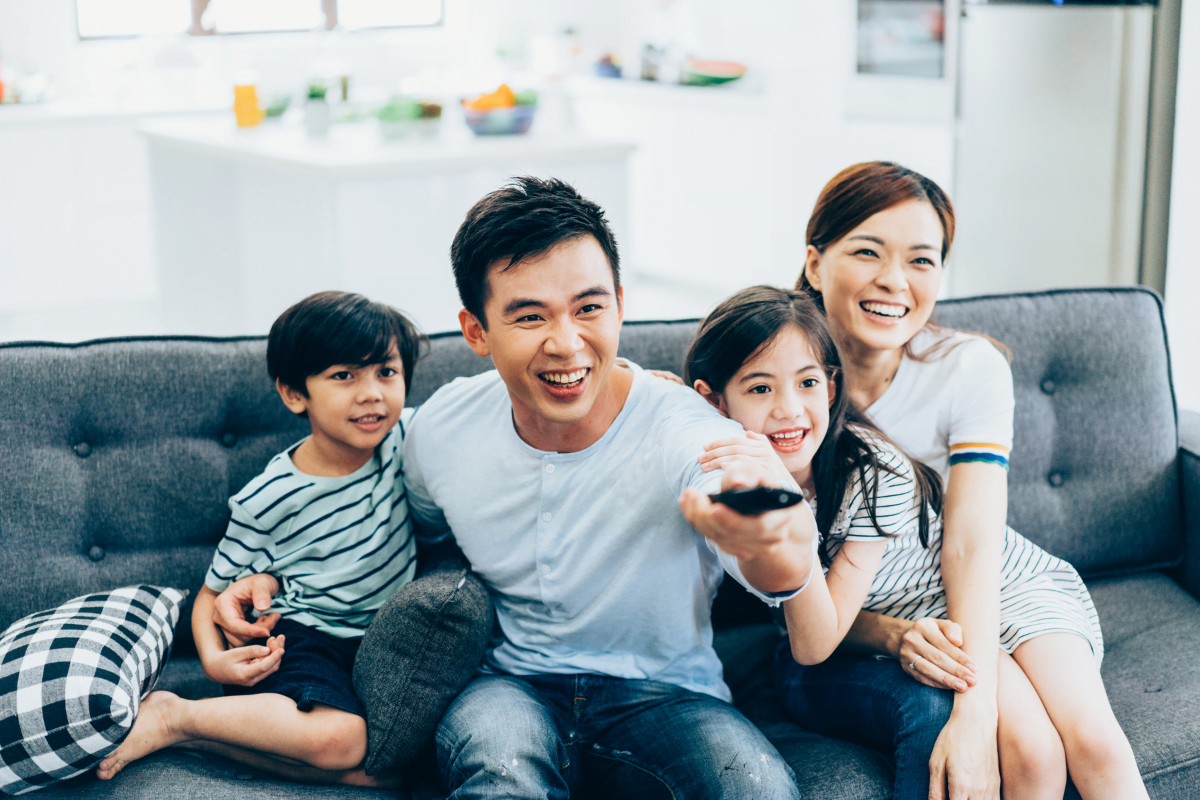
(758,500)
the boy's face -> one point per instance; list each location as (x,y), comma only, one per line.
(352,407)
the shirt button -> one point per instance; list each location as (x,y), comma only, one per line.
(546,516)
(549,468)
(545,569)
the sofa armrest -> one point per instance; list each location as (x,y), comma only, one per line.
(1189,479)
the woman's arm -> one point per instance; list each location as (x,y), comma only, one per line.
(972,545)
(928,649)
(819,617)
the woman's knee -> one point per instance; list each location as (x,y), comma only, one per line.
(1092,747)
(1033,763)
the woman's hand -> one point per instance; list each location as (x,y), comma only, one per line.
(930,650)
(753,448)
(965,764)
(245,666)
(666,375)
(231,606)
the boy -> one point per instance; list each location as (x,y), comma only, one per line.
(328,520)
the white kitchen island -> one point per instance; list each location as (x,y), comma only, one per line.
(248,221)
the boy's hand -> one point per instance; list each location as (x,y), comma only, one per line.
(231,606)
(245,666)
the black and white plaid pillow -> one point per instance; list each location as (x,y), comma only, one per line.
(72,679)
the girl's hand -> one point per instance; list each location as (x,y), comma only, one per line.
(966,762)
(931,652)
(753,448)
(245,666)
(666,375)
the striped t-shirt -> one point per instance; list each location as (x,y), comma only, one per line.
(338,546)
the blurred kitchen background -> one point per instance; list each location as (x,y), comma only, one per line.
(134,199)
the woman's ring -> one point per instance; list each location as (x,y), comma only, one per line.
(913,665)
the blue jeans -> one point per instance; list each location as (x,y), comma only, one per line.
(874,703)
(551,736)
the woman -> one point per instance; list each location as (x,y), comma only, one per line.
(877,240)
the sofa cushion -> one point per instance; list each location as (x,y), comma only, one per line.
(72,679)
(1093,474)
(1152,672)
(421,650)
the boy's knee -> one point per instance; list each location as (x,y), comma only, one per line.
(340,743)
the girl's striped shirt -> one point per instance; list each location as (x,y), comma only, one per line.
(339,546)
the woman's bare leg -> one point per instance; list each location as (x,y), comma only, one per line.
(1063,671)
(1033,765)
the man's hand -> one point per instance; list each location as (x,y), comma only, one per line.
(231,606)
(774,549)
(245,666)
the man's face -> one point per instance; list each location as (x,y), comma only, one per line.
(553,324)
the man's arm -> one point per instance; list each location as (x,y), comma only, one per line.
(772,553)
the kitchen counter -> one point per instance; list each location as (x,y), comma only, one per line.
(248,221)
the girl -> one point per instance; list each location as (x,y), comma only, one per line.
(766,358)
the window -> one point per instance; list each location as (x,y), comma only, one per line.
(101,19)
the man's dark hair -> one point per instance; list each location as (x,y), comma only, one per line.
(524,219)
(330,328)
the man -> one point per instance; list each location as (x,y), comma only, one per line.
(560,477)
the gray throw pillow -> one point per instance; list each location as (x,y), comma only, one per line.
(72,680)
(421,650)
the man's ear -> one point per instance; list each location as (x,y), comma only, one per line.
(621,303)
(473,331)
(812,267)
(296,402)
(714,399)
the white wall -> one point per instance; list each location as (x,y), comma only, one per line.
(1183,260)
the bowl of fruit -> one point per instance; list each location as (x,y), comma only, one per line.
(502,112)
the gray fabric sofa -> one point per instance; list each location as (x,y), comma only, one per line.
(118,457)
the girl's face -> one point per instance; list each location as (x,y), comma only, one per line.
(880,281)
(784,394)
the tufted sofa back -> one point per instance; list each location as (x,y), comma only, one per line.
(117,457)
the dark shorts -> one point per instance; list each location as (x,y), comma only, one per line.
(316,668)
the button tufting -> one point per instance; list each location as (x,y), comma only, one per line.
(229,439)
(1048,386)
(83,449)
(96,553)
(1056,479)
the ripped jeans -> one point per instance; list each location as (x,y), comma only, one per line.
(556,736)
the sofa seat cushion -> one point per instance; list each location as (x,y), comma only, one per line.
(1152,672)
(183,773)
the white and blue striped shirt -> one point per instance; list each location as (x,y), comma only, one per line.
(339,546)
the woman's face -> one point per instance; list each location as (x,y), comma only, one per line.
(784,394)
(880,281)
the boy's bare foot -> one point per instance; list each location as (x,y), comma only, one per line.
(152,730)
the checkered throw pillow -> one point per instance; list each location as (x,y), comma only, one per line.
(72,679)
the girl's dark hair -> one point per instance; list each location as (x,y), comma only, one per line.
(524,219)
(744,325)
(330,328)
(858,193)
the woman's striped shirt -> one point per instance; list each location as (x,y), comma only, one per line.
(339,546)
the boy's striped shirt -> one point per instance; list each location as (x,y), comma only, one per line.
(339,546)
